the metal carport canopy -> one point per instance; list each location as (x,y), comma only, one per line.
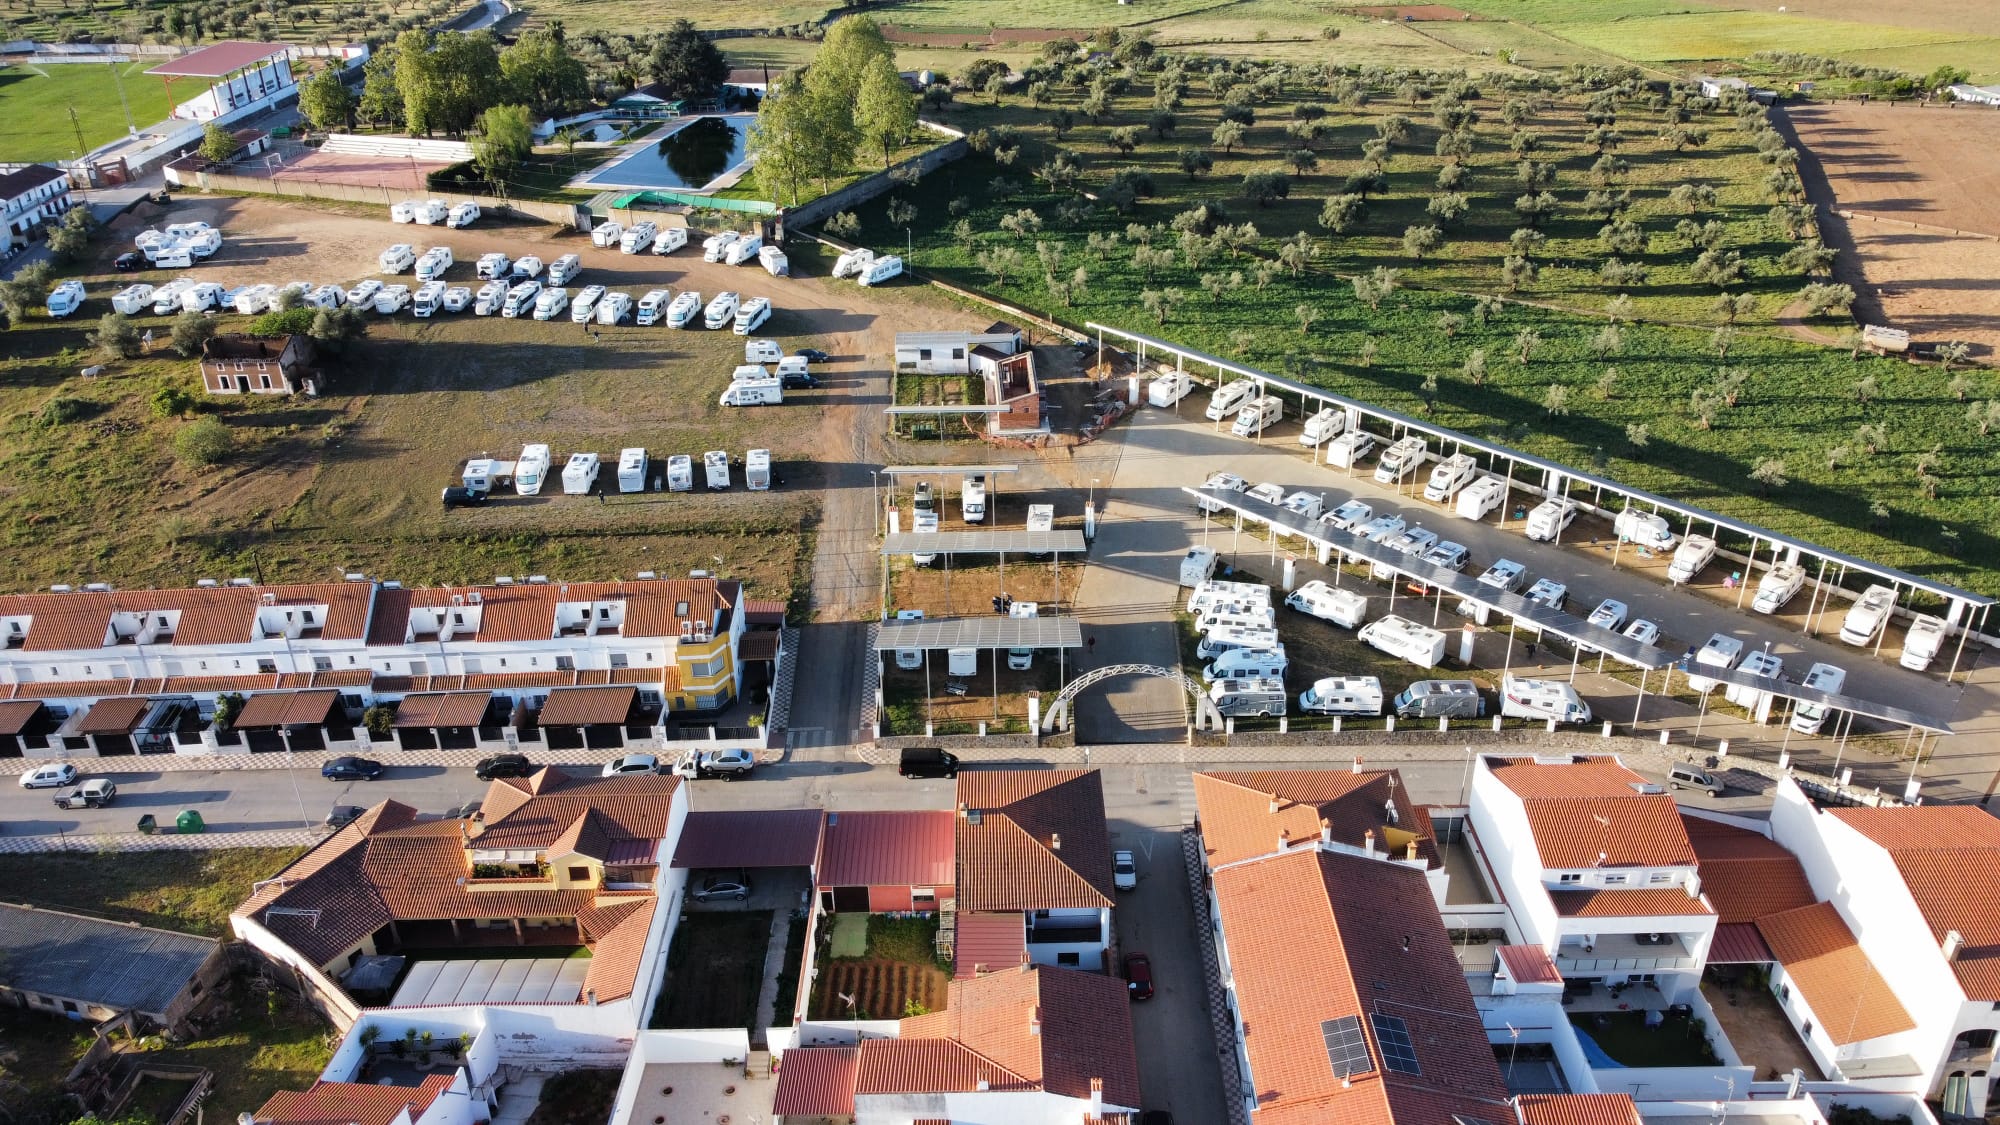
(933,470)
(981,632)
(1786,689)
(983,542)
(1949,593)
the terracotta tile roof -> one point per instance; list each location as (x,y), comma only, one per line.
(1038,843)
(990,943)
(914,1065)
(1826,964)
(1578,1109)
(876,849)
(1584,813)
(1529,964)
(217,615)
(1628,902)
(750,838)
(817,1082)
(1238,821)
(575,707)
(1056,1029)
(615,958)
(1342,953)
(352,1103)
(1949,857)
(626,807)
(587,835)
(1579,776)
(442,709)
(763,611)
(15,715)
(119,715)
(81,689)
(1739,943)
(527,612)
(1744,874)
(286,708)
(337,677)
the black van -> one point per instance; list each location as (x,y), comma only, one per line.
(929,761)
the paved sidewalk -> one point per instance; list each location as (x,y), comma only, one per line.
(165,841)
(388,755)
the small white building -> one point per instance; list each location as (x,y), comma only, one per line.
(34,194)
(1977,95)
(1712,87)
(957,353)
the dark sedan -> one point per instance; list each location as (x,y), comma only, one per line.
(798,381)
(503,765)
(812,355)
(350,768)
(1139,976)
(129,262)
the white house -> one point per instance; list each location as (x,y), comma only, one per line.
(957,353)
(33,195)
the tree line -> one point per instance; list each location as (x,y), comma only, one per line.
(813,126)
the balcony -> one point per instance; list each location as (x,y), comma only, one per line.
(1623,953)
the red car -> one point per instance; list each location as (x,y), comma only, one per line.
(1139,976)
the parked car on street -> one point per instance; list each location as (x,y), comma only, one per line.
(347,767)
(50,776)
(1139,976)
(93,794)
(503,765)
(631,763)
(1124,871)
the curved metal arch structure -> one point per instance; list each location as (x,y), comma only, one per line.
(1206,717)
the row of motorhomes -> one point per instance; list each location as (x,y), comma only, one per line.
(180,245)
(434,212)
(635,471)
(866,267)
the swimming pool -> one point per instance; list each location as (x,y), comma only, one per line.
(692,156)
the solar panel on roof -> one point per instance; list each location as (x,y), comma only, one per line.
(1398,1053)
(1345,1048)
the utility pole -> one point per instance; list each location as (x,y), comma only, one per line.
(77,125)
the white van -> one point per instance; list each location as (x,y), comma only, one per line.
(1257,414)
(1719,651)
(175,259)
(1922,643)
(1694,553)
(1779,585)
(1306,505)
(1441,699)
(253,299)
(1236,698)
(579,474)
(429,297)
(1644,529)
(613,308)
(1344,608)
(757,390)
(606,235)
(456,299)
(201,297)
(715,467)
(716,245)
(1763,664)
(521,298)
(1228,398)
(565,269)
(1449,476)
(327,297)
(639,238)
(1197,566)
(1807,718)
(653,306)
(852,262)
(65,298)
(632,469)
(1504,576)
(1228,640)
(1867,615)
(1246,664)
(531,470)
(1524,698)
(880,270)
(549,305)
(683,310)
(669,240)
(1322,427)
(492,266)
(744,249)
(397,258)
(757,470)
(584,307)
(1168,388)
(721,311)
(751,315)
(1347,450)
(680,473)
(133,299)
(1343,695)
(762,351)
(1548,518)
(403,212)
(431,212)
(1405,640)
(1400,460)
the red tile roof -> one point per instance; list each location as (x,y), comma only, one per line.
(1744,874)
(879,849)
(286,708)
(627,807)
(1037,842)
(1242,814)
(585,706)
(816,1082)
(1581,775)
(990,943)
(527,612)
(1055,1028)
(119,715)
(1361,937)
(750,838)
(351,1103)
(758,646)
(443,709)
(1584,812)
(1949,857)
(1529,964)
(16,714)
(1739,943)
(929,1066)
(615,957)
(1826,964)
(1578,1109)
(1628,902)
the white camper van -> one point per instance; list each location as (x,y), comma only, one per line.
(1763,664)
(1022,659)
(680,473)
(531,471)
(392,299)
(715,466)
(1719,651)
(632,469)
(526,267)
(201,297)
(1228,398)
(583,309)
(1344,608)
(462,215)
(1504,576)
(653,307)
(721,311)
(456,299)
(1228,640)
(1808,718)
(972,498)
(64,299)
(431,212)
(606,235)
(1236,698)
(492,296)
(1228,482)
(565,269)
(880,270)
(853,262)
(1867,615)
(579,474)
(1197,566)
(961,661)
(1222,592)
(1400,460)
(1644,529)
(744,249)
(613,308)
(491,266)
(762,351)
(716,245)
(1778,585)
(483,473)
(751,315)
(167,298)
(174,259)
(670,239)
(757,470)
(774,261)
(1694,553)
(1475,500)
(1405,640)
(434,263)
(1548,518)
(1343,695)
(397,258)
(550,303)
(521,298)
(133,299)
(403,212)
(1449,476)
(639,238)
(1922,643)
(428,299)
(250,299)
(755,390)
(1169,388)
(684,309)
(1257,415)
(1524,698)
(1246,664)
(1323,427)
(1306,505)
(1347,450)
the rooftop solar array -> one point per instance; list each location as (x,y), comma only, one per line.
(1346,1049)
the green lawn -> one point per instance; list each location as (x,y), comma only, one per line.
(35,102)
(190,891)
(263,1050)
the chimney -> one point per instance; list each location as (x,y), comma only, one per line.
(591,995)
(1953,942)
(1368,841)
(1357,763)
(1035,1020)
(1274,804)
(1284,839)
(1055,841)
(1325,831)
(1389,812)
(982,1085)
(1096,1099)
(1410,850)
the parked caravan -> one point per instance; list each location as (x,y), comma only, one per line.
(1524,698)
(721,311)
(532,469)
(1224,616)
(579,474)
(909,659)
(1168,388)
(853,262)
(1922,643)
(607,234)
(1778,585)
(462,215)
(653,307)
(435,262)
(526,267)
(1609,616)
(1022,659)
(774,261)
(1219,592)
(762,351)
(1441,699)
(1548,518)
(1347,450)
(972,498)
(1808,718)
(1644,529)
(756,390)
(1323,427)
(482,474)
(680,473)
(639,238)
(584,308)
(1763,664)
(167,298)
(392,299)
(397,258)
(1197,566)
(64,299)
(1448,555)
(744,249)
(491,266)
(924,521)
(431,212)
(1270,492)
(1257,415)
(1400,460)
(253,299)
(880,270)
(521,298)
(492,296)
(1343,695)
(1236,698)
(715,467)
(403,212)
(1349,516)
(1549,594)
(1405,640)
(613,308)
(1475,500)
(632,469)
(178,259)
(203,243)
(1867,615)
(1214,644)
(961,661)
(670,239)
(1719,651)
(1449,476)
(428,299)
(1306,505)
(684,309)
(796,374)
(1504,576)
(1694,553)
(1382,527)
(1228,482)
(565,269)
(757,470)
(1344,608)
(327,297)
(751,316)
(201,297)
(363,293)
(716,245)
(133,299)
(1228,398)
(550,303)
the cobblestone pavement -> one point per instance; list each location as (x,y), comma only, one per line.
(1221,1025)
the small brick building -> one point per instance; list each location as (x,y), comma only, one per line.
(254,365)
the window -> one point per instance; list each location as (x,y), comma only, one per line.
(69,1005)
(1805,1030)
(619,660)
(1784,992)
(565,664)
(923,355)
(1070,959)
(1613,880)
(267,666)
(579,874)
(1659,878)
(322,664)
(306,616)
(922,896)
(958,353)
(1569,877)
(604,614)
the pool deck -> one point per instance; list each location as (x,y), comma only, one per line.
(586,180)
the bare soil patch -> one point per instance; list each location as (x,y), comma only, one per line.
(882,989)
(1417,12)
(993,37)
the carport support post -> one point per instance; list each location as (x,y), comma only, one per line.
(1964,628)
(1507,662)
(1813,603)
(927,693)
(1882,634)
(1749,564)
(1641,701)
(1573,657)
(1507,494)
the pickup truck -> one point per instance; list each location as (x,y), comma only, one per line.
(93,794)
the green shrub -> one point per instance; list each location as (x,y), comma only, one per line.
(62,411)
(204,441)
(170,401)
(287,323)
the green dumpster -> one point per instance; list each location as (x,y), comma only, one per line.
(189,821)
(148,824)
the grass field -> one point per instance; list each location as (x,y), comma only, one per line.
(189,891)
(35,102)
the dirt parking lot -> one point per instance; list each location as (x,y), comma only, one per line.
(1923,247)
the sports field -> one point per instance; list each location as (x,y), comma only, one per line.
(35,101)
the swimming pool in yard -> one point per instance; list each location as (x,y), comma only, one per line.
(691,156)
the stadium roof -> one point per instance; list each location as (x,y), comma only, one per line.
(219,60)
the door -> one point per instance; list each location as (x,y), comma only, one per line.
(1957,1095)
(850,900)
(243,384)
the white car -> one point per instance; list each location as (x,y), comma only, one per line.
(1124,871)
(631,763)
(49,776)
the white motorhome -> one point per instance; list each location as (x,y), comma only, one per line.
(201,297)
(1218,591)
(1228,398)
(1404,639)
(462,215)
(639,238)
(632,469)
(744,249)
(961,661)
(653,306)
(1400,460)
(565,269)
(392,299)
(972,498)
(1449,476)
(403,212)
(1022,659)
(1808,718)
(1218,618)
(756,390)
(909,659)
(1475,500)
(1548,518)
(1778,585)
(1867,615)
(434,263)
(1228,640)
(1344,608)
(526,267)
(774,261)
(670,239)
(483,473)
(721,311)
(431,212)
(1719,651)
(64,299)
(1524,698)
(716,245)
(1694,553)
(853,262)
(492,266)
(1322,427)
(397,258)
(167,298)
(531,471)
(880,270)
(428,299)
(133,299)
(521,299)
(327,297)
(550,303)
(1347,450)
(583,309)
(1504,576)
(751,315)
(579,474)
(1247,664)
(1922,643)
(757,470)
(1229,482)
(1306,505)
(1644,529)
(613,308)
(1197,566)
(715,467)
(1349,516)
(684,309)
(762,351)
(174,259)
(1235,698)
(1257,415)
(1343,695)
(1440,699)
(1763,664)
(606,235)
(680,473)
(251,299)
(492,296)
(1168,388)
